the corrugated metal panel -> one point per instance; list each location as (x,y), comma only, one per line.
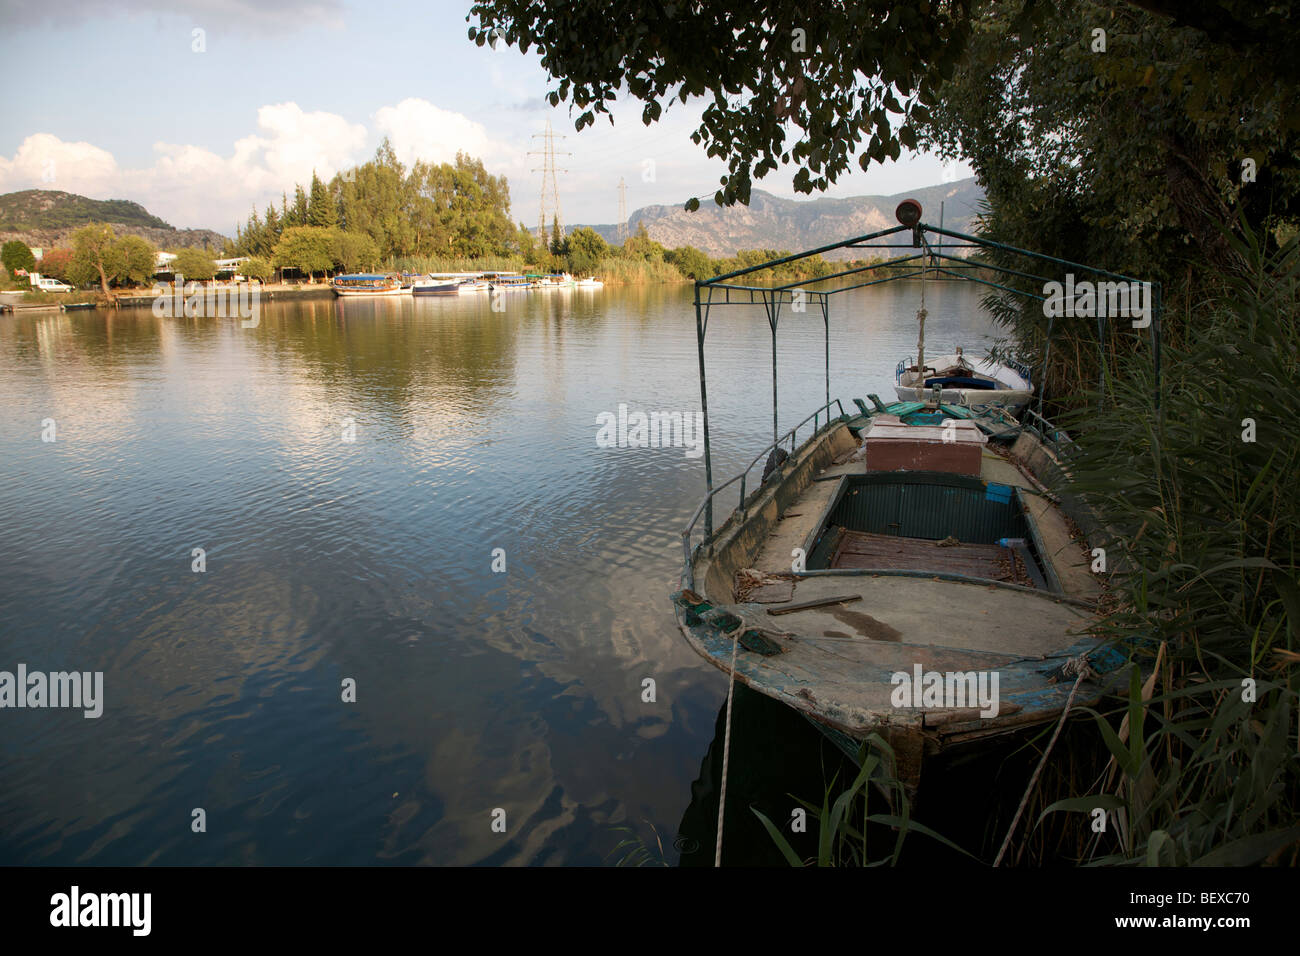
(927,506)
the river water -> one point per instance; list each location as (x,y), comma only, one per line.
(376,563)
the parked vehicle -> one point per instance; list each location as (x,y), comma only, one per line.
(46,284)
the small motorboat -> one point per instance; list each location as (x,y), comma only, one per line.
(436,286)
(964,380)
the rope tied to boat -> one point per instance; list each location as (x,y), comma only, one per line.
(726,743)
(1080,669)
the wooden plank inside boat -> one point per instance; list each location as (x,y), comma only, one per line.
(858,549)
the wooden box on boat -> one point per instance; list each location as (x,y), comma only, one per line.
(955,447)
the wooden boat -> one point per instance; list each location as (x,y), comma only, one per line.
(915,565)
(365,284)
(965,380)
(920,571)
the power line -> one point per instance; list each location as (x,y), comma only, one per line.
(548,171)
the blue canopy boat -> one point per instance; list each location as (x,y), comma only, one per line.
(366,284)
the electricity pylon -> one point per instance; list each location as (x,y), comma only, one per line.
(548,171)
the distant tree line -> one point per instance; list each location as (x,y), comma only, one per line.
(98,256)
(381,211)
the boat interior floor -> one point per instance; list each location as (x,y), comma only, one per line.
(860,549)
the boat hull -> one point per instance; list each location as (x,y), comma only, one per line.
(366,285)
(837,663)
(365,293)
(964,380)
(1012,399)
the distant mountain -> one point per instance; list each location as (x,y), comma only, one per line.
(770,222)
(46,218)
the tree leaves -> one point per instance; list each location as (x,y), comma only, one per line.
(761,78)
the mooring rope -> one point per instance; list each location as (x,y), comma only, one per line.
(726,747)
(1075,665)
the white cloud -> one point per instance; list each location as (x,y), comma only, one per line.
(419,130)
(248,15)
(43,160)
(191,186)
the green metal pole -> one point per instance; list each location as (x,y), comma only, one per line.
(1047,355)
(704,407)
(771,320)
(826,324)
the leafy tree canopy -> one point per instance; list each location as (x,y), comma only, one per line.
(194,264)
(134,260)
(92,255)
(306,248)
(256,268)
(584,248)
(17,255)
(787,83)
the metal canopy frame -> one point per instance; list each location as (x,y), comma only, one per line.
(930,260)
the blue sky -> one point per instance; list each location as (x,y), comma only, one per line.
(112,100)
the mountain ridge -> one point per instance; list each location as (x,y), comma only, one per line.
(773,222)
(48,217)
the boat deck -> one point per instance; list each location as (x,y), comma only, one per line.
(836,662)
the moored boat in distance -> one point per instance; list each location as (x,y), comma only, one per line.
(508,282)
(591,282)
(965,380)
(434,284)
(366,284)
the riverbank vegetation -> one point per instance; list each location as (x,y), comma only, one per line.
(455,217)
(1158,141)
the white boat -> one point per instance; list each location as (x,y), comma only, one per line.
(364,284)
(510,282)
(591,282)
(433,284)
(471,286)
(964,380)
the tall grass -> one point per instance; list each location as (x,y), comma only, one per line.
(619,271)
(852,824)
(423,264)
(1202,505)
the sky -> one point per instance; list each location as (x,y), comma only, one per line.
(201,110)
